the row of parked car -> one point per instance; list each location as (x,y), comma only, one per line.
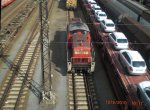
(131,60)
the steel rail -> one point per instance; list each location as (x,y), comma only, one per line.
(80,92)
(89,94)
(78,97)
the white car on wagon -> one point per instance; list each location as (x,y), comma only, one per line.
(92,3)
(100,15)
(96,8)
(118,40)
(143,91)
(133,62)
(108,25)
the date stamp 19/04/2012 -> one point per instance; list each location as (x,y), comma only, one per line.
(123,102)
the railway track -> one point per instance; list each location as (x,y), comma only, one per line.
(8,32)
(81,93)
(13,93)
(8,14)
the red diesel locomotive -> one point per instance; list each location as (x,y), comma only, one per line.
(80,54)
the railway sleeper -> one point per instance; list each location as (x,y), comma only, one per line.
(18,81)
(79,83)
(80,87)
(78,76)
(85,107)
(81,94)
(70,81)
(13,92)
(14,89)
(81,98)
(70,91)
(8,106)
(10,97)
(17,85)
(81,103)
(80,90)
(80,80)
(71,102)
(71,108)
(70,94)
(70,87)
(71,99)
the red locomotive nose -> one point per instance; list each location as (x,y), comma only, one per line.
(79,33)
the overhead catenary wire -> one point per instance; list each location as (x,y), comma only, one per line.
(135,43)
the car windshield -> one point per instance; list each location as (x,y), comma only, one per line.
(147,90)
(110,25)
(102,14)
(138,64)
(97,8)
(122,40)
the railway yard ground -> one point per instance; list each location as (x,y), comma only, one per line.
(25,39)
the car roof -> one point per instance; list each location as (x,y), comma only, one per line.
(108,21)
(92,1)
(119,35)
(96,6)
(134,55)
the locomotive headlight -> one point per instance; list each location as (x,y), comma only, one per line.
(85,52)
(76,52)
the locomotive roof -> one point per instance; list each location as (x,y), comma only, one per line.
(78,26)
(80,41)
